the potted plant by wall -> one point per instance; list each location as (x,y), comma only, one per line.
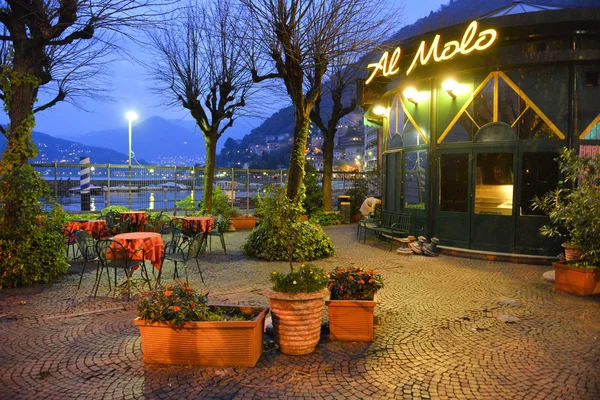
(242,221)
(177,326)
(574,212)
(296,302)
(352,303)
(358,193)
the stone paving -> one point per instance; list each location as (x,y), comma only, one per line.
(440,334)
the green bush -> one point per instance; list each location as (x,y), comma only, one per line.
(114,209)
(220,204)
(32,243)
(88,216)
(322,218)
(307,279)
(282,236)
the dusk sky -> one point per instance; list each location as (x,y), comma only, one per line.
(131,93)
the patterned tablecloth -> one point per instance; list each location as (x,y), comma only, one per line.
(137,218)
(201,224)
(93,227)
(150,242)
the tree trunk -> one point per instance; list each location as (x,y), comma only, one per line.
(296,170)
(209,171)
(327,170)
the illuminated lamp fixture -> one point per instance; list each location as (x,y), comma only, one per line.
(411,94)
(450,87)
(379,110)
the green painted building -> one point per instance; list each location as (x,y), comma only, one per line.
(470,134)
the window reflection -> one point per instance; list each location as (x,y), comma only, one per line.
(539,175)
(454,182)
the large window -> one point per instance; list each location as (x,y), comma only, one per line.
(539,175)
(454,182)
(414,182)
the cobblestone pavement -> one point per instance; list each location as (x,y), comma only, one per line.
(437,336)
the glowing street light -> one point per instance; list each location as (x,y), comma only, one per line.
(131,116)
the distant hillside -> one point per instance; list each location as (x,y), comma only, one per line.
(156,140)
(54,150)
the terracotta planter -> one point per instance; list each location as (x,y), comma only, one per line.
(219,344)
(351,320)
(243,222)
(583,282)
(571,253)
(355,218)
(297,320)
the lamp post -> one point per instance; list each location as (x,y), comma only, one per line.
(131,116)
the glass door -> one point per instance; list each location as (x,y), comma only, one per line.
(453,211)
(492,222)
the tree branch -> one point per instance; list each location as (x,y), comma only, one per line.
(60,96)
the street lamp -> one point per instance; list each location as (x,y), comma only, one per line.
(131,116)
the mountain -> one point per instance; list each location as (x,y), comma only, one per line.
(55,150)
(156,140)
(240,128)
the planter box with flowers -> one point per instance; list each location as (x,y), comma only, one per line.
(574,210)
(296,308)
(243,222)
(177,326)
(353,300)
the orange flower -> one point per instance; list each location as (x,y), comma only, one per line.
(359,274)
(331,284)
(351,278)
(168,293)
(370,280)
(176,308)
(361,282)
(341,288)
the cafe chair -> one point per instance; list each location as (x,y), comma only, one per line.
(184,252)
(221,225)
(87,247)
(114,255)
(154,225)
(70,242)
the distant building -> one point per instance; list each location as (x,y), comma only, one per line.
(371,150)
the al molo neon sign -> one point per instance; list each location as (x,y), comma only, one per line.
(389,66)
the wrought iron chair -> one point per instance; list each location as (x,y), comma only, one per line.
(69,241)
(154,225)
(87,247)
(113,254)
(221,225)
(183,252)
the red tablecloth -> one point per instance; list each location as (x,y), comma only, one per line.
(138,218)
(93,227)
(201,224)
(150,242)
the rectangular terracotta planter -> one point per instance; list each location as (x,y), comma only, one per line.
(243,222)
(218,344)
(583,282)
(351,320)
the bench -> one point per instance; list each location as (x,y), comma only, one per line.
(391,225)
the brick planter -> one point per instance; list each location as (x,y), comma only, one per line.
(218,344)
(583,282)
(296,320)
(351,320)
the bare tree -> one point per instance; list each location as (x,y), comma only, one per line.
(296,41)
(200,65)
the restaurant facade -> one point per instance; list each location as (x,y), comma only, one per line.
(473,116)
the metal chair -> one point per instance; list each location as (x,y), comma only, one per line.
(154,225)
(219,229)
(70,242)
(114,254)
(87,247)
(183,252)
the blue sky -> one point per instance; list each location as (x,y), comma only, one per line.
(131,93)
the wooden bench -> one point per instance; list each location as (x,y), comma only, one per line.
(392,225)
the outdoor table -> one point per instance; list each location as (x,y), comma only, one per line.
(150,242)
(201,224)
(93,227)
(137,218)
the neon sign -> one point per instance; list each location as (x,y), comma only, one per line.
(389,66)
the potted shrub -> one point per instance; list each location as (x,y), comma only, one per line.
(177,326)
(352,303)
(296,302)
(574,212)
(358,193)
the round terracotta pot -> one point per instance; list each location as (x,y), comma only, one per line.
(571,253)
(297,320)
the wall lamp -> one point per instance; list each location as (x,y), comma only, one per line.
(380,110)
(411,95)
(450,86)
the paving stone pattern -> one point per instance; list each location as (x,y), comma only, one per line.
(446,328)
